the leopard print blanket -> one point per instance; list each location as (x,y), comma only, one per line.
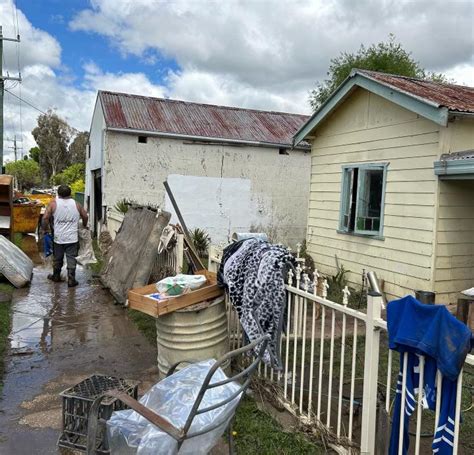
(252,271)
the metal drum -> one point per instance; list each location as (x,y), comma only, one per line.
(198,332)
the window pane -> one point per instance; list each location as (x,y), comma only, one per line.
(348,176)
(369,200)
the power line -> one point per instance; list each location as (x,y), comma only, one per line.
(26,102)
(39,110)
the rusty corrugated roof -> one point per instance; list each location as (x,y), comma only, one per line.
(161,115)
(454,97)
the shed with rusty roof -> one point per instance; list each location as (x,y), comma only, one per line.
(230,168)
(392,183)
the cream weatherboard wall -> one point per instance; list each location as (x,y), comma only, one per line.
(244,186)
(454,266)
(368,129)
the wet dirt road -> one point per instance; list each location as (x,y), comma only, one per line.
(59,337)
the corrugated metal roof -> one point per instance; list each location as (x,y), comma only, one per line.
(455,97)
(160,115)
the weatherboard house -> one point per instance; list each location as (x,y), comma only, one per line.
(230,169)
(392,183)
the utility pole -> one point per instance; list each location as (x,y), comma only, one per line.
(15,147)
(2,89)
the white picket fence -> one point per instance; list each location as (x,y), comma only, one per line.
(335,364)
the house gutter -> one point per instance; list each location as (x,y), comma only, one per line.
(203,138)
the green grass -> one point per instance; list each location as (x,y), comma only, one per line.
(5,324)
(146,324)
(97,267)
(259,434)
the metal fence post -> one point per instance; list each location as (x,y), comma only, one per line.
(371,371)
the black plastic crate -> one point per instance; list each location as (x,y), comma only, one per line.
(77,402)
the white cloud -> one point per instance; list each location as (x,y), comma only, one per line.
(271,43)
(255,54)
(136,83)
(37,46)
(199,86)
(463,73)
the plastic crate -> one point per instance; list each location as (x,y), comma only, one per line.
(77,402)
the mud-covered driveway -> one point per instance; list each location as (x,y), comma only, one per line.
(60,336)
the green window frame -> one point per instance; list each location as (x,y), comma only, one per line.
(363,199)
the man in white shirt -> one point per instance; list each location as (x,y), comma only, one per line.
(65,214)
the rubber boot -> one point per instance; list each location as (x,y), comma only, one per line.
(55,276)
(71,278)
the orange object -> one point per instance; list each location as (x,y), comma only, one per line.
(26,217)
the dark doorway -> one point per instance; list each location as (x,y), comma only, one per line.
(97,202)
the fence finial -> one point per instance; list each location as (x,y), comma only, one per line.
(306,281)
(298,250)
(299,269)
(325,288)
(290,277)
(345,298)
(315,281)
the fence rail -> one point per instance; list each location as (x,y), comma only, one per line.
(338,372)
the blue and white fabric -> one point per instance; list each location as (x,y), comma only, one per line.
(431,331)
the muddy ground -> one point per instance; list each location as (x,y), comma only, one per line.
(59,337)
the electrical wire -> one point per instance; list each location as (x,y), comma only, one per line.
(39,110)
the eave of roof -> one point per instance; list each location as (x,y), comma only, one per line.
(422,106)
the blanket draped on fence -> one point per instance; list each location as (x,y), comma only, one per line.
(252,271)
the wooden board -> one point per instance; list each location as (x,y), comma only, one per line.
(138,300)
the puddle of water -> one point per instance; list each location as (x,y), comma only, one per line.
(49,316)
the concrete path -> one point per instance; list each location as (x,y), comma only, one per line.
(59,337)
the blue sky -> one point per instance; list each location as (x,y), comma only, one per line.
(262,54)
(80,48)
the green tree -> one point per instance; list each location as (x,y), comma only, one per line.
(35,154)
(386,57)
(70,175)
(78,186)
(52,136)
(78,148)
(26,172)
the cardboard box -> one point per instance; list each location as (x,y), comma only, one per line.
(138,300)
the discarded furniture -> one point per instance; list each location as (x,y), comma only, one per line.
(15,265)
(138,298)
(6,205)
(77,403)
(130,259)
(167,416)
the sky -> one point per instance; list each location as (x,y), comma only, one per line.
(262,54)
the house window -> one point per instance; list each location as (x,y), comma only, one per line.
(363,191)
(142,139)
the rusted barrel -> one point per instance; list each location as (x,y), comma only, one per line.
(198,332)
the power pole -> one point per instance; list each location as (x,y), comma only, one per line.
(2,89)
(15,147)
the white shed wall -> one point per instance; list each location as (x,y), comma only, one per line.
(97,144)
(232,187)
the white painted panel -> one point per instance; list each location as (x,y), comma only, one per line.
(218,205)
